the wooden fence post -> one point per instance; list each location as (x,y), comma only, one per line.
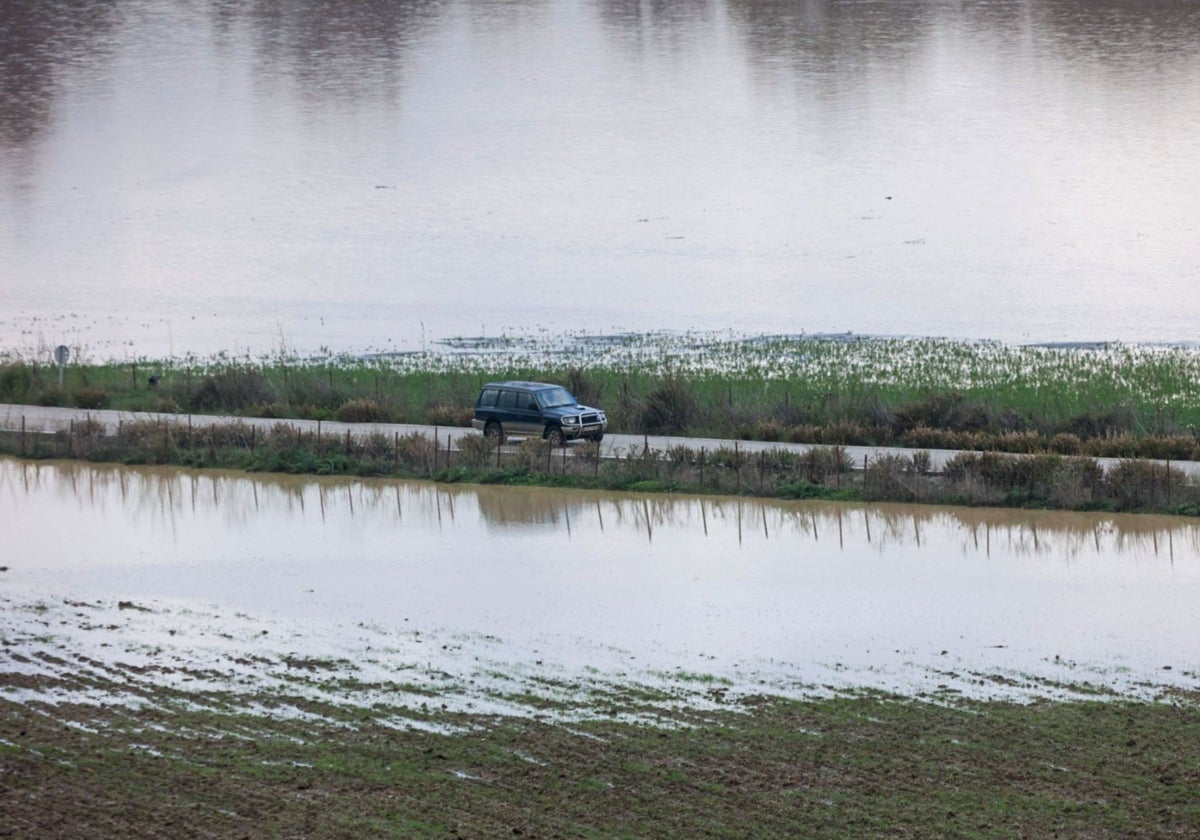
(737,465)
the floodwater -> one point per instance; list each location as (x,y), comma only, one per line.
(790,598)
(195,176)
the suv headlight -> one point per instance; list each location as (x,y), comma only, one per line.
(570,421)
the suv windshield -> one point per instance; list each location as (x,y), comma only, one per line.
(555,398)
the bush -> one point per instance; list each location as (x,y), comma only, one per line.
(1124,445)
(52,397)
(670,408)
(91,398)
(1167,448)
(271,410)
(476,450)
(360,411)
(16,382)
(846,433)
(231,390)
(1065,443)
(533,454)
(416,452)
(767,430)
(889,477)
(1139,484)
(581,386)
(1114,421)
(450,415)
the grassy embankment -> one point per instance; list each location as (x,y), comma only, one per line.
(1068,405)
(851,766)
(1045,481)
(1116,401)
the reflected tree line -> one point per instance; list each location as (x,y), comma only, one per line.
(161,495)
(359,49)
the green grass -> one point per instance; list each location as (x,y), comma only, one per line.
(875,390)
(841,767)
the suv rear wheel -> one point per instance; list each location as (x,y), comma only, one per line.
(494,431)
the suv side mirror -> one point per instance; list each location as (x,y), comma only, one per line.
(533,405)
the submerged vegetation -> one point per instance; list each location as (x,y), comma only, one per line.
(1102,401)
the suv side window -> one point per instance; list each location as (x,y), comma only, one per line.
(508,399)
(488,397)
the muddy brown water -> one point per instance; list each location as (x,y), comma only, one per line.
(761,595)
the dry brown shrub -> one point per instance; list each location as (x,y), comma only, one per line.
(1065,443)
(476,450)
(450,415)
(360,411)
(90,398)
(1023,442)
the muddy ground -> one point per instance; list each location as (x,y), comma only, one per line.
(847,767)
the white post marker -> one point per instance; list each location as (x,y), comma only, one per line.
(61,354)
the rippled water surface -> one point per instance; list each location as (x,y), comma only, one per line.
(208,175)
(471,581)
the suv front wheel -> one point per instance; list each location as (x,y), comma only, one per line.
(555,435)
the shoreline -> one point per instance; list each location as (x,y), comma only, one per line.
(663,464)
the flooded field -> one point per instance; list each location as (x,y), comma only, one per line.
(480,597)
(201,177)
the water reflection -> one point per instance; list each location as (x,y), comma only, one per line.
(211,164)
(770,596)
(160,499)
(39,42)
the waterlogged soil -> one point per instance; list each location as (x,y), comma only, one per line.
(215,655)
(842,767)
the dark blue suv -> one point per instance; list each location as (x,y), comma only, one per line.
(536,408)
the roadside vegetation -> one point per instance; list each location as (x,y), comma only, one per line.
(1104,401)
(971,478)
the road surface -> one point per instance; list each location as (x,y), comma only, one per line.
(36,419)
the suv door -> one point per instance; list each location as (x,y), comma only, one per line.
(527,417)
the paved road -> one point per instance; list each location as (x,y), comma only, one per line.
(48,419)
